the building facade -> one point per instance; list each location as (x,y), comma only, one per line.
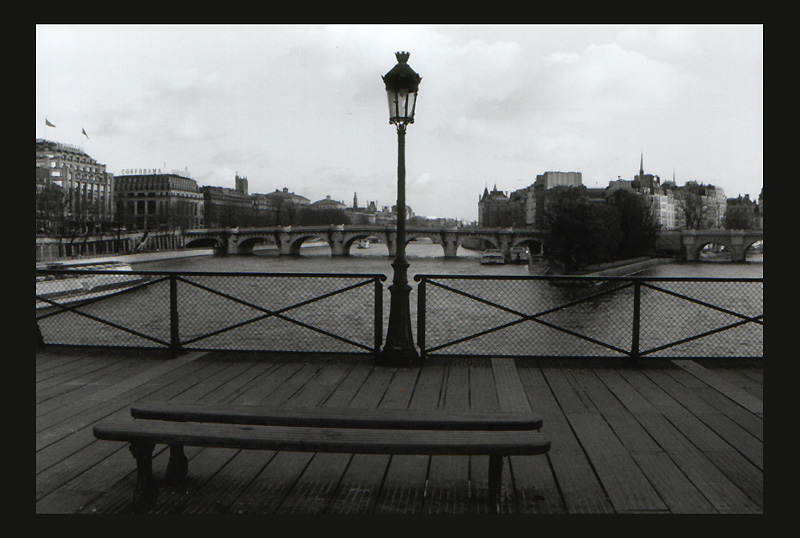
(710,201)
(328,203)
(86,187)
(659,197)
(284,204)
(152,201)
(493,209)
(225,207)
(742,213)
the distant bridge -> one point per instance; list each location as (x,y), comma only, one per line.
(690,243)
(341,238)
(686,244)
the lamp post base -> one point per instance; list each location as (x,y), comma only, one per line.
(399,349)
(398,357)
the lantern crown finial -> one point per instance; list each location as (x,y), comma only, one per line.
(402,84)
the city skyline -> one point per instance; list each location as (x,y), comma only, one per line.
(304,107)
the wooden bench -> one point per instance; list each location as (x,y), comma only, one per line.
(356,431)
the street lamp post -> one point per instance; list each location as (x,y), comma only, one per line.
(402,84)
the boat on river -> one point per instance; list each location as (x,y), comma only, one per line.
(492,256)
(68,283)
(363,243)
(519,255)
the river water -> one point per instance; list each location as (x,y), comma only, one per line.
(462,314)
(424,258)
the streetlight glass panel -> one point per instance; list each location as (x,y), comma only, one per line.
(401,106)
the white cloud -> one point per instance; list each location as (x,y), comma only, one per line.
(304,106)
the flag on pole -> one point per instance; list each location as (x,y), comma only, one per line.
(84,132)
(47,122)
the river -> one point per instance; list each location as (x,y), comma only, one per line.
(457,310)
(424,258)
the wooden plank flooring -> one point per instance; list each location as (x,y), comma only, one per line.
(677,438)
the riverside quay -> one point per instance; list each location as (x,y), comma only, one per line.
(168,392)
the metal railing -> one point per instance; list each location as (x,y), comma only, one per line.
(498,316)
(630,317)
(286,312)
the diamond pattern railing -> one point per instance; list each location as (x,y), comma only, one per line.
(512,316)
(327,313)
(633,317)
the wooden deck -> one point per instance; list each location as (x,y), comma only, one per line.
(676,438)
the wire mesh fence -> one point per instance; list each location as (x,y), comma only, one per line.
(516,316)
(327,313)
(633,317)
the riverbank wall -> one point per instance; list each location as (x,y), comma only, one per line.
(104,245)
(615,268)
(134,258)
(626,267)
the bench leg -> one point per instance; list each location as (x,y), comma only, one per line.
(178,465)
(146,492)
(495,482)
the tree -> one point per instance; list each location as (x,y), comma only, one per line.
(737,219)
(49,208)
(636,223)
(579,232)
(691,207)
(582,232)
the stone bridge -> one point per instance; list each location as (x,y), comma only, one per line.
(690,243)
(341,238)
(686,244)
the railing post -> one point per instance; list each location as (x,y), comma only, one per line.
(634,356)
(174,336)
(421,317)
(39,337)
(378,315)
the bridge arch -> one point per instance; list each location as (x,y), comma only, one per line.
(340,238)
(735,241)
(296,243)
(246,245)
(712,250)
(535,246)
(207,242)
(752,244)
(349,239)
(493,241)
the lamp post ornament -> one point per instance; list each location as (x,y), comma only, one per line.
(402,84)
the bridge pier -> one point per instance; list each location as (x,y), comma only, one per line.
(505,238)
(738,248)
(284,240)
(236,245)
(336,242)
(391,243)
(449,241)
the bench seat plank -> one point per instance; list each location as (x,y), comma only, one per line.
(407,419)
(310,439)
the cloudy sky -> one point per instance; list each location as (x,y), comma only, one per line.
(304,107)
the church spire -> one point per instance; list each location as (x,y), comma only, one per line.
(641,164)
